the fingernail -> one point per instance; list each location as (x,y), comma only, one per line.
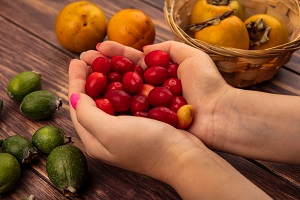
(81,55)
(74,99)
(73,60)
(145,47)
(98,46)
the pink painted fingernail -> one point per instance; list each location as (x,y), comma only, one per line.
(74,99)
(98,46)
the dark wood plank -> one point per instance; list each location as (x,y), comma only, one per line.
(277,188)
(293,64)
(284,82)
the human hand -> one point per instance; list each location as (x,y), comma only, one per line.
(148,146)
(134,143)
(203,86)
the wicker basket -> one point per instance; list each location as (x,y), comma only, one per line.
(242,68)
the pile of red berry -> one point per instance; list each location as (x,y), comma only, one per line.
(120,87)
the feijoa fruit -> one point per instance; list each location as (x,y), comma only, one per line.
(10,171)
(40,104)
(20,147)
(47,138)
(23,84)
(66,167)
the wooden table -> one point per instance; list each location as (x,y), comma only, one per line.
(28,42)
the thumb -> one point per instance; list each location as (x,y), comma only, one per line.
(93,119)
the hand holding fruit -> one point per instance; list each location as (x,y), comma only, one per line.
(202,84)
(149,146)
(123,141)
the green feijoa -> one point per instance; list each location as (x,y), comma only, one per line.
(66,167)
(20,147)
(40,104)
(24,83)
(10,171)
(47,138)
(1,105)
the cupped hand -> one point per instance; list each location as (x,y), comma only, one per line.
(203,86)
(134,143)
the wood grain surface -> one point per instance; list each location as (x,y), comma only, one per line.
(28,42)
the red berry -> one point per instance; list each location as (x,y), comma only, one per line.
(145,89)
(138,69)
(121,64)
(114,77)
(105,106)
(140,114)
(120,100)
(139,103)
(160,96)
(172,70)
(157,58)
(177,102)
(174,85)
(164,114)
(132,82)
(156,75)
(95,84)
(114,86)
(101,64)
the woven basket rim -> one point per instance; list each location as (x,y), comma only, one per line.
(286,48)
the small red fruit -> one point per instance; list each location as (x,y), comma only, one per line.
(172,70)
(101,64)
(164,114)
(160,96)
(139,103)
(95,84)
(177,102)
(156,75)
(145,89)
(132,82)
(138,69)
(120,100)
(121,64)
(105,106)
(114,77)
(140,114)
(174,85)
(157,58)
(114,86)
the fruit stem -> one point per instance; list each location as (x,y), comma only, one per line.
(31,154)
(70,191)
(58,103)
(67,139)
(213,21)
(218,2)
(258,32)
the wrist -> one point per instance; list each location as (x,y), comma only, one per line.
(199,172)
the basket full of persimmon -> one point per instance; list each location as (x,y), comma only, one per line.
(249,40)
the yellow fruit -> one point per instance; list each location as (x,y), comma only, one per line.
(80,26)
(272,31)
(230,32)
(185,116)
(131,27)
(204,10)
